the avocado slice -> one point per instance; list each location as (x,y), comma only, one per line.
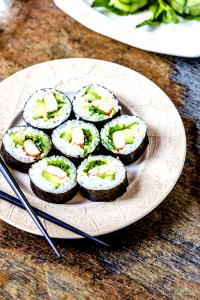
(67,135)
(54,180)
(90,95)
(109,175)
(39,110)
(18,137)
(129,139)
(134,128)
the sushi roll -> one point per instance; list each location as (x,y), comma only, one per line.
(102,178)
(125,137)
(76,139)
(46,109)
(53,179)
(96,104)
(24,145)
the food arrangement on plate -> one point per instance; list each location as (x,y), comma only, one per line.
(163,11)
(81,145)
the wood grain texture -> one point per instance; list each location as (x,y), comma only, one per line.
(155,258)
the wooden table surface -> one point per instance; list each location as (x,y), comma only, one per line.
(156,258)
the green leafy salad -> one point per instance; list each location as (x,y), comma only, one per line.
(163,11)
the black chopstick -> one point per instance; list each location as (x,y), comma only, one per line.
(13,184)
(52,219)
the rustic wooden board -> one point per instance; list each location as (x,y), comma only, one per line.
(163,160)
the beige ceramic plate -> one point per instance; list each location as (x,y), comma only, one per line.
(150,179)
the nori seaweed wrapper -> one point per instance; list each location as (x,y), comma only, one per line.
(14,163)
(105,195)
(53,197)
(49,131)
(128,159)
(100,124)
(75,160)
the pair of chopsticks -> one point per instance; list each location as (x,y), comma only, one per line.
(34,212)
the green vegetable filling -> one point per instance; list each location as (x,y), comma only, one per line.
(18,137)
(66,135)
(40,142)
(60,164)
(129,135)
(39,109)
(94,110)
(96,164)
(88,139)
(108,175)
(54,180)
(91,95)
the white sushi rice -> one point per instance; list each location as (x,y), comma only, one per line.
(139,133)
(66,147)
(79,104)
(17,152)
(64,112)
(35,173)
(97,183)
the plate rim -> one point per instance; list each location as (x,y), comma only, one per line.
(162,196)
(112,29)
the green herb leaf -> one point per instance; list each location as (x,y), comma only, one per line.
(95,110)
(162,13)
(60,164)
(88,138)
(40,141)
(94,163)
(61,100)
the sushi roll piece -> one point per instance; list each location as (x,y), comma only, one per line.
(24,145)
(54,179)
(46,109)
(102,178)
(76,139)
(96,104)
(125,137)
